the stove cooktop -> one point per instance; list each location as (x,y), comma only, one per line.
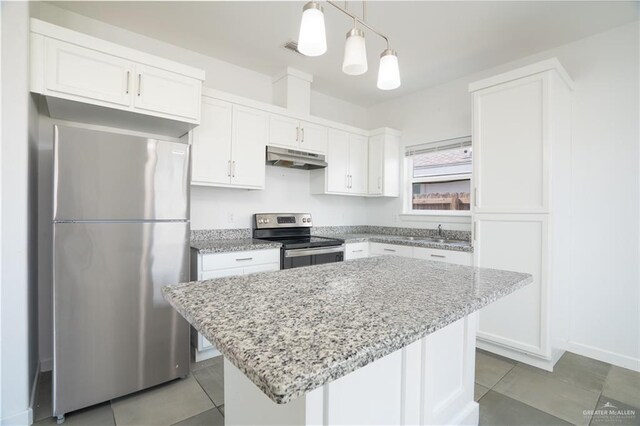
(290,242)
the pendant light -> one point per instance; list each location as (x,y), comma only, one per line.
(355,53)
(312,39)
(389,71)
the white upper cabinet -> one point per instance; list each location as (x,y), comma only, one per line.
(250,132)
(160,91)
(284,131)
(88,74)
(358,164)
(229,146)
(287,132)
(313,137)
(384,163)
(96,78)
(211,144)
(347,170)
(511,147)
(337,172)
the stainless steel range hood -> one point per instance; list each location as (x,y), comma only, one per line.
(294,159)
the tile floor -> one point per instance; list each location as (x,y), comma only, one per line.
(509,393)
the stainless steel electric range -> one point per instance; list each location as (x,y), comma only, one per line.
(299,247)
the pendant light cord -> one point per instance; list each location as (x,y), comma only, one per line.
(361,21)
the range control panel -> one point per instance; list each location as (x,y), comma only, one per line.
(282,220)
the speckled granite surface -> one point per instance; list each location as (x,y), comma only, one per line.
(220,234)
(230,245)
(293,330)
(239,239)
(464,246)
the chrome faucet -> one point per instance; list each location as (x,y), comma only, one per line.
(440,231)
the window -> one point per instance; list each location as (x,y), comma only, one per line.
(439,177)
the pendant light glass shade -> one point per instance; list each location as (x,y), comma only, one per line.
(355,53)
(389,71)
(312,39)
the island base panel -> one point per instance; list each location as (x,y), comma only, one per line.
(430,381)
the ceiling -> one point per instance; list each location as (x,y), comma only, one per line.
(436,41)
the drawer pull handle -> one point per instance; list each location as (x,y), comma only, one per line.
(358,251)
(387,249)
(243,259)
(438,255)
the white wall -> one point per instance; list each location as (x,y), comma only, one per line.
(19,349)
(605,317)
(286,190)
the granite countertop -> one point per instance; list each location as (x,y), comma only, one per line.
(464,246)
(215,245)
(294,330)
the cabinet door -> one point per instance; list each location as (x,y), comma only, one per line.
(250,134)
(211,150)
(284,131)
(88,74)
(166,93)
(338,160)
(511,147)
(313,137)
(376,164)
(358,164)
(515,243)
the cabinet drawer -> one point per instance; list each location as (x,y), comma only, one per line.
(239,259)
(356,250)
(448,256)
(379,249)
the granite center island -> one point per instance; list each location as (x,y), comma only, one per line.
(381,340)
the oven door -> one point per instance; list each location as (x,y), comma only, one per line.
(296,258)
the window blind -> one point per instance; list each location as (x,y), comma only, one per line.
(436,146)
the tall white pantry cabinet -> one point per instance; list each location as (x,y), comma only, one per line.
(522,207)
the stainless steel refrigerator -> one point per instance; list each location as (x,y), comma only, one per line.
(120,232)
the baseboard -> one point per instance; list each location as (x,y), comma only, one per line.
(46,364)
(469,416)
(20,419)
(620,360)
(516,355)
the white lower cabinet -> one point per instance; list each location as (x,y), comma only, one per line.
(381,249)
(527,327)
(219,265)
(356,250)
(448,256)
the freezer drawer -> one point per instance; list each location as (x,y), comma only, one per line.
(114,332)
(105,176)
